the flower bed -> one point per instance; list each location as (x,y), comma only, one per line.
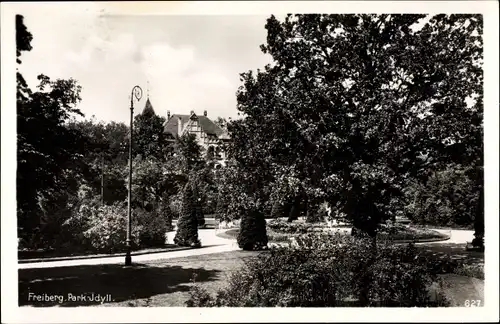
(283,227)
(282,231)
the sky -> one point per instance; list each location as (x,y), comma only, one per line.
(184,62)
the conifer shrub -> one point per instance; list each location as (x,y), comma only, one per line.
(197,202)
(219,209)
(252,235)
(187,226)
(200,216)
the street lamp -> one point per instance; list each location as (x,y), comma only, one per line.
(137,93)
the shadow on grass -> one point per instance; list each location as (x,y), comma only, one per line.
(119,282)
(452,251)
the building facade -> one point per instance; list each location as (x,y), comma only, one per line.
(210,136)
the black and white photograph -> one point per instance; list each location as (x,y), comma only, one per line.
(286,159)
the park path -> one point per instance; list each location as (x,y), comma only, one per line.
(456,236)
(211,244)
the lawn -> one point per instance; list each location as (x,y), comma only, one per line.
(154,283)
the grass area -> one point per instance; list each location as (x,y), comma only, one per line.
(456,259)
(460,290)
(154,283)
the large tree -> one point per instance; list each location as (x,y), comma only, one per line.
(47,149)
(49,153)
(353,104)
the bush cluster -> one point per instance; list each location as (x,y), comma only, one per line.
(104,228)
(280,226)
(327,270)
(448,198)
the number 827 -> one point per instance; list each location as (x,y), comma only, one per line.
(472,303)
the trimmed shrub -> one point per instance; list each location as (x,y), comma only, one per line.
(294,211)
(200,216)
(252,235)
(327,270)
(187,226)
(196,182)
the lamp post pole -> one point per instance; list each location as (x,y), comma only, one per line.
(137,93)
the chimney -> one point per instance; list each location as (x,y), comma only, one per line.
(179,126)
(205,113)
(168,114)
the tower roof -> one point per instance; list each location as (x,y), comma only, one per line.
(148,109)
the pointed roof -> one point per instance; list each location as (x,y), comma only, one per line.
(148,109)
(208,126)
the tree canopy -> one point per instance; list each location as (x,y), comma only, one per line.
(353,104)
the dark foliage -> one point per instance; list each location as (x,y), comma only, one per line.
(187,226)
(354,105)
(252,235)
(327,272)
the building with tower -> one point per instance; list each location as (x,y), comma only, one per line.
(210,136)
